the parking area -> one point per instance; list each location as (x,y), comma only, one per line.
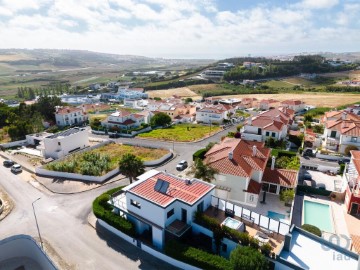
(320,180)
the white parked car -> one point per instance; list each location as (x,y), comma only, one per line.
(16,168)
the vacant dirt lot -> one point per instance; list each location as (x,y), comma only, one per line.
(316,99)
(183,92)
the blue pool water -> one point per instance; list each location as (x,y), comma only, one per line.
(231,223)
(276,216)
(318,214)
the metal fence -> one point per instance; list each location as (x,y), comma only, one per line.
(258,219)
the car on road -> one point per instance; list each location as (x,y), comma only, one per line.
(182,165)
(115,135)
(307,176)
(8,163)
(308,152)
(16,168)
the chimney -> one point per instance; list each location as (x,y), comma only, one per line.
(272,163)
(231,155)
(254,150)
(343,116)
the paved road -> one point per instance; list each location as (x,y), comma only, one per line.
(63,223)
(63,218)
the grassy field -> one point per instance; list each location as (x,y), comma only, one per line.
(181,133)
(113,151)
(299,81)
(278,84)
(183,92)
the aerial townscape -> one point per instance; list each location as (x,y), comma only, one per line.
(179,134)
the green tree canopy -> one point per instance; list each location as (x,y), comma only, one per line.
(203,171)
(160,119)
(245,258)
(131,166)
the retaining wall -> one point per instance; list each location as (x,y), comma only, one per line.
(13,144)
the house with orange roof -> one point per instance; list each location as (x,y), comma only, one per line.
(351,184)
(339,115)
(242,173)
(163,204)
(67,116)
(123,120)
(339,134)
(293,104)
(248,103)
(215,113)
(269,124)
(267,104)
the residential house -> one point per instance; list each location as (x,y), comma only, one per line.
(163,204)
(269,124)
(65,142)
(339,134)
(67,116)
(242,172)
(267,104)
(212,100)
(123,120)
(211,74)
(355,109)
(295,105)
(125,93)
(95,86)
(340,115)
(351,184)
(135,103)
(215,114)
(95,108)
(175,108)
(248,103)
(249,65)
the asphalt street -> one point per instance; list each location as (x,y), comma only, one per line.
(63,221)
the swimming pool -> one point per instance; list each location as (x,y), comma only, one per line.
(232,223)
(275,215)
(319,215)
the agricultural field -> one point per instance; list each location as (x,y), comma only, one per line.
(181,132)
(183,92)
(103,159)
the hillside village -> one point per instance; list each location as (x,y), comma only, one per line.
(268,170)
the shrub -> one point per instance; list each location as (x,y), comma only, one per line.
(238,127)
(312,229)
(283,153)
(254,243)
(266,249)
(242,237)
(196,257)
(312,190)
(199,154)
(103,210)
(244,258)
(342,168)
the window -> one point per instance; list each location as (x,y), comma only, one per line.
(200,207)
(354,139)
(59,143)
(333,134)
(251,198)
(170,213)
(135,203)
(273,134)
(267,133)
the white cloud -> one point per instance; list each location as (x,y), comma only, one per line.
(319,4)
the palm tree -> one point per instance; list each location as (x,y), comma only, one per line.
(131,166)
(203,171)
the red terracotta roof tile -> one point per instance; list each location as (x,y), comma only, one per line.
(254,187)
(283,177)
(178,190)
(356,242)
(68,109)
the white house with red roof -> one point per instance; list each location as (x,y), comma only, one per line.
(67,116)
(163,204)
(267,104)
(295,105)
(123,120)
(214,113)
(269,124)
(242,172)
(339,134)
(351,184)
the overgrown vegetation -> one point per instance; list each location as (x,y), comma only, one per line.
(104,211)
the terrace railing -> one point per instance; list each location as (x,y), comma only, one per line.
(248,215)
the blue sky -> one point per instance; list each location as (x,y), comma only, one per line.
(182,28)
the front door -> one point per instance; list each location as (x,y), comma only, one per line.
(183,215)
(354,209)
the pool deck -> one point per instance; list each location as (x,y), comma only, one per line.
(276,240)
(338,219)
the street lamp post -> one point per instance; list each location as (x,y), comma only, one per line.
(37,225)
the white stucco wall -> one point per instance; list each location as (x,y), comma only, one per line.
(235,183)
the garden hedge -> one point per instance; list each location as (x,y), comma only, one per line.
(196,257)
(312,190)
(103,210)
(312,229)
(199,154)
(283,153)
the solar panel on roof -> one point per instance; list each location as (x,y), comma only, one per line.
(158,185)
(164,187)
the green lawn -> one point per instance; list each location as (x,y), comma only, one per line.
(181,132)
(278,84)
